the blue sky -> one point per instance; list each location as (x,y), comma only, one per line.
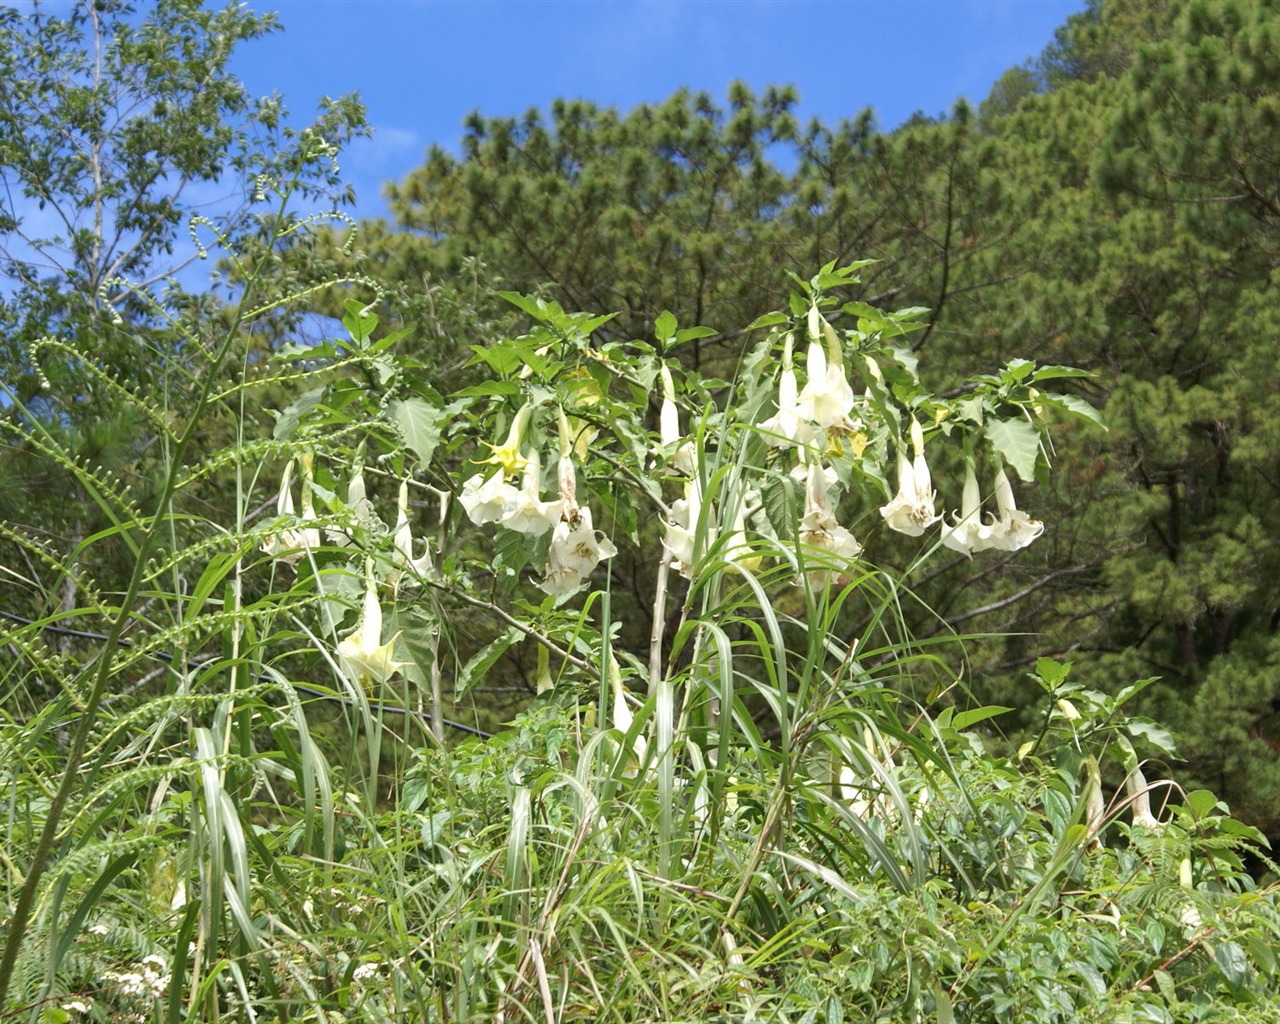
(422,65)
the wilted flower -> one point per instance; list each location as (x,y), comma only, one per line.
(1015,529)
(524,511)
(830,547)
(911,511)
(363,656)
(969,533)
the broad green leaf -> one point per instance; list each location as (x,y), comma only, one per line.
(288,420)
(419,424)
(483,660)
(664,327)
(1018,443)
(534,307)
(768,320)
(359,321)
(1076,406)
(488,388)
(972,717)
(1232,962)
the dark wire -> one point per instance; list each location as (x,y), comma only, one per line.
(165,656)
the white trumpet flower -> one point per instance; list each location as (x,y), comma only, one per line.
(524,510)
(680,538)
(969,533)
(830,547)
(911,511)
(402,559)
(1015,529)
(827,398)
(576,546)
(291,545)
(576,549)
(486,499)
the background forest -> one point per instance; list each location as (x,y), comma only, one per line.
(202,824)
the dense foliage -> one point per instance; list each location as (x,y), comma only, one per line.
(1110,205)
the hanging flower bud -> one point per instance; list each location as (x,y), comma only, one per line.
(1139,790)
(787,426)
(682,458)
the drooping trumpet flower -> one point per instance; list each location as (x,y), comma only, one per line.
(363,657)
(291,545)
(911,510)
(576,547)
(829,546)
(968,532)
(1014,529)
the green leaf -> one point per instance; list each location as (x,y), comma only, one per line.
(1018,369)
(972,717)
(1057,372)
(483,660)
(1203,803)
(359,321)
(1018,443)
(419,424)
(664,327)
(1157,735)
(1052,673)
(489,388)
(1232,962)
(294,412)
(534,307)
(1076,406)
(768,320)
